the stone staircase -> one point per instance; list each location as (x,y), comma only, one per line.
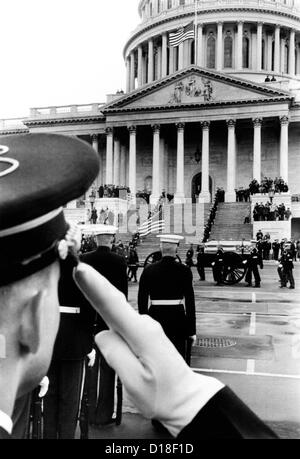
(229,224)
(187,220)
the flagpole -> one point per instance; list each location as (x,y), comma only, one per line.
(196,32)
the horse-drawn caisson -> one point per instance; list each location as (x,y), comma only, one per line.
(236,254)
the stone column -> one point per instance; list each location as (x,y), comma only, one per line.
(117,151)
(164,56)
(109,156)
(180,195)
(257,123)
(220,46)
(132,71)
(284,148)
(150,61)
(200,46)
(292,53)
(123,166)
(231,162)
(132,162)
(277,50)
(239,58)
(282,57)
(159,62)
(127,75)
(140,66)
(95,144)
(156,165)
(205,192)
(259,47)
(180,56)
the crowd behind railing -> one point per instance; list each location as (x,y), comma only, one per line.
(267,186)
(271,212)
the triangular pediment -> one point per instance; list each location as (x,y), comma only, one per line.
(196,86)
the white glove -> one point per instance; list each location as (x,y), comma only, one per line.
(245,262)
(92,358)
(154,374)
(193,339)
(213,264)
(44,385)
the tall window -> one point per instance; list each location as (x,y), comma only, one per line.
(181,2)
(273,55)
(228,45)
(176,58)
(246,52)
(211,51)
(286,58)
(169,4)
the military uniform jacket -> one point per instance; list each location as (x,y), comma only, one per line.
(225,417)
(255,260)
(75,335)
(113,268)
(287,262)
(4,435)
(169,280)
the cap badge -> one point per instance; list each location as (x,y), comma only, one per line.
(14,164)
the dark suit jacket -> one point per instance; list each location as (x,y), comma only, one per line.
(113,268)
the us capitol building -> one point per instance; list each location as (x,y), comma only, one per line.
(217,111)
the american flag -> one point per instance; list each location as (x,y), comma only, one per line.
(182,34)
(151,226)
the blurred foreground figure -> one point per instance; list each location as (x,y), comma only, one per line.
(190,406)
(39,174)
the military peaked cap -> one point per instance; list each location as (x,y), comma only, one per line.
(39,174)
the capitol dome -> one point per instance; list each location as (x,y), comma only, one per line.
(252,39)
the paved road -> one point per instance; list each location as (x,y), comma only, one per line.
(249,339)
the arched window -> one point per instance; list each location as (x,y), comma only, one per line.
(228,46)
(211,51)
(246,52)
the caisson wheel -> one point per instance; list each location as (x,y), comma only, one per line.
(234,269)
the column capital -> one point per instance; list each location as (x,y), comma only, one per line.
(231,124)
(109,131)
(260,24)
(155,128)
(180,126)
(95,137)
(205,125)
(132,129)
(284,120)
(240,23)
(257,122)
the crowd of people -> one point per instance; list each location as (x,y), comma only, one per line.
(273,249)
(219,197)
(271,212)
(278,185)
(112,191)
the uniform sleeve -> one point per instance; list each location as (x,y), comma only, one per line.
(143,294)
(189,296)
(122,282)
(226,417)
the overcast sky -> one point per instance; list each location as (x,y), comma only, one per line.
(57,52)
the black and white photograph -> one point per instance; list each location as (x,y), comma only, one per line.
(150,222)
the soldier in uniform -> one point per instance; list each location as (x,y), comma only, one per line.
(218,266)
(35,240)
(73,344)
(201,263)
(114,268)
(276,249)
(286,270)
(169,286)
(254,261)
(189,257)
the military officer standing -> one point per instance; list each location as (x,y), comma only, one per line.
(218,266)
(286,270)
(276,249)
(254,261)
(169,286)
(201,263)
(114,268)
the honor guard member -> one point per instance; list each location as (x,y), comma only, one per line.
(218,266)
(201,263)
(169,287)
(286,266)
(39,174)
(73,344)
(276,249)
(254,261)
(114,268)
